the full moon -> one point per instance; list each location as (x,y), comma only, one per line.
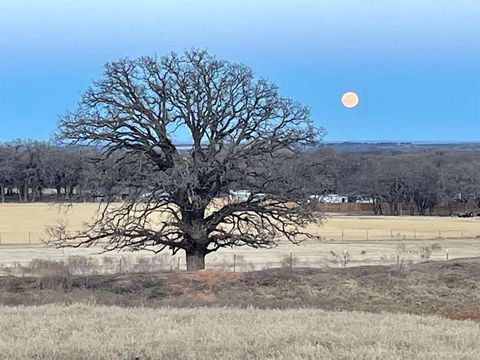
(350,99)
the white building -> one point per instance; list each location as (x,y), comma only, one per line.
(243,195)
(329,198)
(365,200)
(239,195)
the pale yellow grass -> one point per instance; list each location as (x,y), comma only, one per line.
(95,332)
(21,223)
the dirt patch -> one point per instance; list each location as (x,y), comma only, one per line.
(448,288)
(472,314)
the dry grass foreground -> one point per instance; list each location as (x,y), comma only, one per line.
(96,332)
(448,288)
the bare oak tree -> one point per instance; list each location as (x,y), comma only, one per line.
(242,133)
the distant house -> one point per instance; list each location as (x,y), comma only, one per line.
(329,198)
(365,200)
(99,194)
(239,195)
(157,194)
(102,194)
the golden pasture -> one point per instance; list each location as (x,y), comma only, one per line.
(17,220)
(366,239)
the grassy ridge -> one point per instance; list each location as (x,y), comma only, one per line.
(97,332)
(448,288)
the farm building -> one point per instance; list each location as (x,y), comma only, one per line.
(243,195)
(365,200)
(239,195)
(329,198)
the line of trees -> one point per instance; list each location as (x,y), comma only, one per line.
(31,170)
(420,179)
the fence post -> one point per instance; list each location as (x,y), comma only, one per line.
(344,258)
(367,235)
(439,233)
(342,235)
(291,260)
(29,238)
(446,254)
(398,259)
(178,263)
(234,262)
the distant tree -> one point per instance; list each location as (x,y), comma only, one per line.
(242,131)
(65,169)
(424,185)
(362,176)
(7,164)
(460,181)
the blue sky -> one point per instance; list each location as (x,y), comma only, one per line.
(414,64)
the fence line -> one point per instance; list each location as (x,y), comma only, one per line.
(226,262)
(445,209)
(37,238)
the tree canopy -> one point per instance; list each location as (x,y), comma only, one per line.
(242,132)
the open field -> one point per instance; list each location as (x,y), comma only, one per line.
(315,255)
(390,240)
(96,332)
(18,220)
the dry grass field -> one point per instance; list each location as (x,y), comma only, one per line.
(401,311)
(95,332)
(18,220)
(368,240)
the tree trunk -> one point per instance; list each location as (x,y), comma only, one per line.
(25,192)
(34,194)
(195,259)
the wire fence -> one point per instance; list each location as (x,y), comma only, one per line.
(394,234)
(21,238)
(327,234)
(227,261)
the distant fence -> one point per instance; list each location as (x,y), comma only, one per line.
(394,234)
(325,234)
(403,208)
(232,261)
(21,238)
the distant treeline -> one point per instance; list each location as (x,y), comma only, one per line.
(422,178)
(29,170)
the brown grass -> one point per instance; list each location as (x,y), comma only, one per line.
(95,332)
(440,288)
